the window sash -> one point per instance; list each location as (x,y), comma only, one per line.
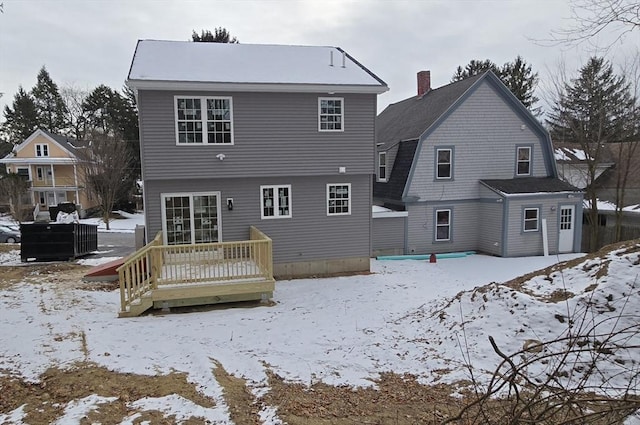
(339,199)
(330,114)
(275,201)
(382,166)
(204,120)
(530,219)
(523,161)
(444,162)
(443,225)
(42,150)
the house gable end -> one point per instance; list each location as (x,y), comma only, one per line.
(42,136)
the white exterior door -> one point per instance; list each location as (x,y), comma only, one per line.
(567,227)
(191,218)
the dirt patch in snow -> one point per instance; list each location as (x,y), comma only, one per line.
(45,401)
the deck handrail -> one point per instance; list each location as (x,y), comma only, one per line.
(138,273)
(157,265)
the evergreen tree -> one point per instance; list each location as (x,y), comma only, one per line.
(109,113)
(49,104)
(522,82)
(591,110)
(219,35)
(21,119)
(516,75)
(475,67)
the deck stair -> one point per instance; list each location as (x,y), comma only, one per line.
(160,276)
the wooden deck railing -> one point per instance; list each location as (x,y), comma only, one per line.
(158,265)
(138,274)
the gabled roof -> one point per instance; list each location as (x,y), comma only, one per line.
(394,187)
(250,67)
(528,185)
(574,153)
(66,144)
(410,118)
(417,117)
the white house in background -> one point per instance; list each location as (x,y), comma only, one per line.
(572,165)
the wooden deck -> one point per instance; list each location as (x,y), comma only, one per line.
(159,276)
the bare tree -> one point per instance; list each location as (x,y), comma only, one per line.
(590,18)
(106,165)
(15,187)
(74,98)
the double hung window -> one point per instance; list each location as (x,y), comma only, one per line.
(204,120)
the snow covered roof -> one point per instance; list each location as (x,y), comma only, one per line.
(256,67)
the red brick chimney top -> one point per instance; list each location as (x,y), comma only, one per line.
(424,82)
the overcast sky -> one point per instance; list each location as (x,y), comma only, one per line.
(90,42)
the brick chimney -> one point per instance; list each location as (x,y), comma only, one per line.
(424,82)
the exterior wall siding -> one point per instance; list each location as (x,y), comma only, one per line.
(421,227)
(490,234)
(275,134)
(307,236)
(485,133)
(522,243)
(388,236)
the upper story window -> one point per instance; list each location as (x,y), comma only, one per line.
(444,159)
(331,114)
(530,220)
(204,120)
(276,201)
(443,225)
(523,167)
(382,166)
(339,199)
(42,149)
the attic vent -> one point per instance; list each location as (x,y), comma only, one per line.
(331,58)
(344,56)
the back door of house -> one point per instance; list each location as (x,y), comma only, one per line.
(191,218)
(567,228)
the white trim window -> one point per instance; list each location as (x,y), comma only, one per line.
(382,166)
(42,149)
(523,166)
(330,114)
(443,225)
(204,120)
(339,199)
(444,163)
(189,218)
(530,220)
(275,201)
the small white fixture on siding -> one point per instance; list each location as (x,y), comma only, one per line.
(221,156)
(342,170)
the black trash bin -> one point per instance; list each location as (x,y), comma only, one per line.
(57,241)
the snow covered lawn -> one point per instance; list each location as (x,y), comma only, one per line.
(406,317)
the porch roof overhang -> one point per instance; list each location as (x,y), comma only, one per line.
(39,161)
(531,186)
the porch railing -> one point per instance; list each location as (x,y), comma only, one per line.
(157,265)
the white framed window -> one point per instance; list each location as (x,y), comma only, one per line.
(189,218)
(42,149)
(443,225)
(523,166)
(339,199)
(530,220)
(204,120)
(444,162)
(275,201)
(330,114)
(382,166)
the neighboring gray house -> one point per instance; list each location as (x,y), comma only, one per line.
(474,170)
(279,137)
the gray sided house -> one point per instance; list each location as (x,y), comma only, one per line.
(474,171)
(276,137)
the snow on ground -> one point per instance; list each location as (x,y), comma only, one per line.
(125,224)
(406,316)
